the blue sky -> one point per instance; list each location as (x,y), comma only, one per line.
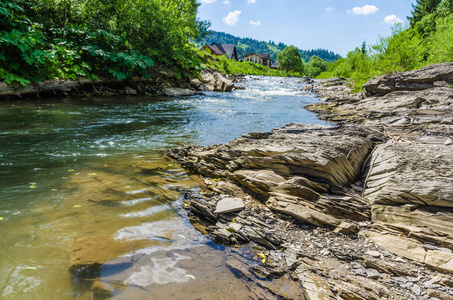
(336,25)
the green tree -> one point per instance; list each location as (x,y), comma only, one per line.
(290,59)
(404,50)
(421,9)
(89,38)
(315,66)
(441,42)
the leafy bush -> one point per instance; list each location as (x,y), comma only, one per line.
(441,42)
(22,57)
(402,51)
(91,38)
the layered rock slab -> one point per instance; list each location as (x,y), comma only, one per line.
(427,77)
(410,188)
(402,173)
(293,168)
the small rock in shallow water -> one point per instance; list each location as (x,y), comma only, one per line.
(227,205)
(102,289)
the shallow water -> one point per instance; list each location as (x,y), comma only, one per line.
(78,168)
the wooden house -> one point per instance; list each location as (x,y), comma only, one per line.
(222,49)
(259,58)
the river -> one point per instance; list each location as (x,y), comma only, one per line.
(94,171)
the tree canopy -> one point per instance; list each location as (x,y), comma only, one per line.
(248,45)
(290,59)
(119,38)
(421,9)
(428,40)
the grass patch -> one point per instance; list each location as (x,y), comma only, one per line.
(228,66)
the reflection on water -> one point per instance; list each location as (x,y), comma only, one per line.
(92,172)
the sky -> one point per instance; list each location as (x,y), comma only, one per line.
(336,25)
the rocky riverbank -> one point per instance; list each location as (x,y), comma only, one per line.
(362,210)
(163,82)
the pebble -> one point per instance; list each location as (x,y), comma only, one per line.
(399,279)
(235,226)
(325,252)
(227,205)
(399,259)
(373,253)
(406,285)
(432,281)
(416,290)
(358,271)
(430,247)
(372,273)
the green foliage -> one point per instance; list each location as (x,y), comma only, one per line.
(21,46)
(290,60)
(315,66)
(227,66)
(441,42)
(429,39)
(92,38)
(404,50)
(249,45)
(421,9)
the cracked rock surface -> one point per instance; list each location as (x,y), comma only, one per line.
(363,210)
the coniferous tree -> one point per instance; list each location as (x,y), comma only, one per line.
(421,9)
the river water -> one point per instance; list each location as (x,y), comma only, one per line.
(90,174)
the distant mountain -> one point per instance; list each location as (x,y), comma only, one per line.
(249,45)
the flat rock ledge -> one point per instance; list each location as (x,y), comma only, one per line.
(363,210)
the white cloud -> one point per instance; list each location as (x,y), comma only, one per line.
(328,8)
(226,2)
(207,1)
(392,19)
(364,10)
(232,18)
(251,1)
(256,23)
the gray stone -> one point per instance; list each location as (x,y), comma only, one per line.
(399,279)
(430,247)
(178,92)
(372,273)
(346,228)
(416,290)
(235,226)
(409,81)
(213,81)
(103,289)
(227,205)
(444,250)
(432,281)
(373,253)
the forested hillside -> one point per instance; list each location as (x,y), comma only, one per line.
(427,39)
(249,45)
(52,39)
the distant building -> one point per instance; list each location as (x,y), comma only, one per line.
(259,58)
(222,49)
(274,65)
